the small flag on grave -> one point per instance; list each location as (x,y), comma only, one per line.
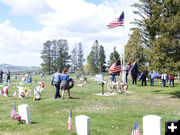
(70,121)
(135,130)
(13,112)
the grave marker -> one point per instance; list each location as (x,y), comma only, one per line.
(82,124)
(152,125)
(23,111)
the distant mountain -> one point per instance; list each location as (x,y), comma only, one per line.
(12,68)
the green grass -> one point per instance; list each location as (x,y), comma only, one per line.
(113,115)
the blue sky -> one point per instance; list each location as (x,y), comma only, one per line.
(18,20)
(26,25)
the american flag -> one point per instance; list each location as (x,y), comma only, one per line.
(70,121)
(135,130)
(117,22)
(115,68)
(13,112)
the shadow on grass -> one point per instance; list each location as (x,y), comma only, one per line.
(175,94)
(157,91)
(34,122)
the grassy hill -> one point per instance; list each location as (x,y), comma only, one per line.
(114,115)
(18,69)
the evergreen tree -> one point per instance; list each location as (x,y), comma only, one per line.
(93,57)
(46,57)
(80,58)
(63,56)
(102,59)
(114,56)
(55,55)
(74,59)
(160,30)
(134,50)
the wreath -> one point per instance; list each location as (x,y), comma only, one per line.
(71,83)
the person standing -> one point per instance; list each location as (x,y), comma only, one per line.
(151,78)
(56,80)
(65,83)
(144,76)
(171,80)
(1,76)
(8,76)
(163,78)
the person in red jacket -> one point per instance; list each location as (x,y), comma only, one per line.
(171,80)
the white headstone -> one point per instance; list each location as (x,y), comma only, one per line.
(82,124)
(5,89)
(152,125)
(21,89)
(23,111)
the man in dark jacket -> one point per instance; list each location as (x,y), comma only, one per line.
(1,76)
(144,75)
(56,80)
(8,76)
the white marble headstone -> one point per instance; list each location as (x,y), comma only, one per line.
(82,124)
(21,89)
(152,125)
(23,111)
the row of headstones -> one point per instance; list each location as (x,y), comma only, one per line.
(152,124)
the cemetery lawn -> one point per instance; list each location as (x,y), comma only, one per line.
(113,115)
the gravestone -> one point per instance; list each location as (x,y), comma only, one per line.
(21,89)
(99,79)
(23,111)
(152,125)
(82,125)
(5,89)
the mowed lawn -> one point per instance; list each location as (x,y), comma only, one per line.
(114,115)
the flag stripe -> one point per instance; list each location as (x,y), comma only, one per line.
(117,22)
(70,121)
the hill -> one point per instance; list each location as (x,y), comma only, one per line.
(13,68)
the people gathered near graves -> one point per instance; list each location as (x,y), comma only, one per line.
(1,76)
(113,77)
(171,80)
(8,76)
(134,73)
(151,79)
(56,81)
(65,83)
(144,76)
(163,78)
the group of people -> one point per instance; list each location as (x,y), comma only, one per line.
(164,77)
(8,74)
(61,81)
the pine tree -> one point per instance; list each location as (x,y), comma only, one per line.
(63,55)
(46,57)
(102,59)
(74,59)
(80,58)
(134,50)
(160,30)
(114,56)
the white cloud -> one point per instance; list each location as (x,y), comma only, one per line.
(74,20)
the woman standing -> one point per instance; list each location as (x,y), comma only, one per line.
(65,83)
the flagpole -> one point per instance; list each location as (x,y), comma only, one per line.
(124,34)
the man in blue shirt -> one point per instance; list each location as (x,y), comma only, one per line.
(56,80)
